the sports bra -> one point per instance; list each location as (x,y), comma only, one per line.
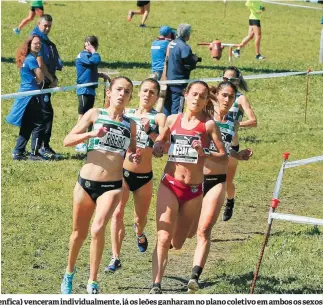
(181,139)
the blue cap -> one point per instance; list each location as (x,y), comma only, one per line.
(165,30)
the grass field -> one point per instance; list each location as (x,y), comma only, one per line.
(37,198)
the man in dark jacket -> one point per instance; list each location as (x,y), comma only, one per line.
(181,61)
(49,62)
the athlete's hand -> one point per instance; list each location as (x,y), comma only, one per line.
(245,154)
(197,145)
(99,133)
(135,157)
(145,124)
(158,149)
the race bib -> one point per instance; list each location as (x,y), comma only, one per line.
(226,138)
(181,149)
(141,139)
(117,139)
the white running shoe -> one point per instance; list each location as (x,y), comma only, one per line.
(192,286)
(81,148)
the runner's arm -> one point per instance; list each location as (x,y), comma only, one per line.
(244,104)
(79,134)
(215,135)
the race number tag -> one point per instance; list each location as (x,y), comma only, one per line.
(117,139)
(226,138)
(181,149)
(141,139)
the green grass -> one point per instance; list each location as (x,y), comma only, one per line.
(37,198)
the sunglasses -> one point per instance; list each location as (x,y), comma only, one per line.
(231,79)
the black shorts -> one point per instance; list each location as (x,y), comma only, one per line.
(254,22)
(86,102)
(236,148)
(136,181)
(212,180)
(95,189)
(142,3)
(32,8)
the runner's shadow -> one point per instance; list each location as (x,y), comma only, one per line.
(147,65)
(68,156)
(268,284)
(217,240)
(78,157)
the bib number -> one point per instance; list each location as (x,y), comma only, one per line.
(117,139)
(181,149)
(141,139)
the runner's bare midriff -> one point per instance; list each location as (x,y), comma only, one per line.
(186,173)
(102,166)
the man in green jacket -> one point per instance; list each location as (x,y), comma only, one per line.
(254,28)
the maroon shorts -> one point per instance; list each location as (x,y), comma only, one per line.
(183,192)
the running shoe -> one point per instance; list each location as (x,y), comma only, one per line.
(81,148)
(192,286)
(67,283)
(155,290)
(130,15)
(236,53)
(37,157)
(114,265)
(92,287)
(142,26)
(49,154)
(228,210)
(142,242)
(20,156)
(16,31)
(260,57)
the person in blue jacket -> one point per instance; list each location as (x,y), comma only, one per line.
(49,62)
(181,61)
(86,64)
(26,111)
(159,49)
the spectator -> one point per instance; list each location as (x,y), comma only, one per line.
(87,72)
(144,11)
(49,62)
(36,8)
(159,48)
(254,28)
(180,63)
(26,111)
